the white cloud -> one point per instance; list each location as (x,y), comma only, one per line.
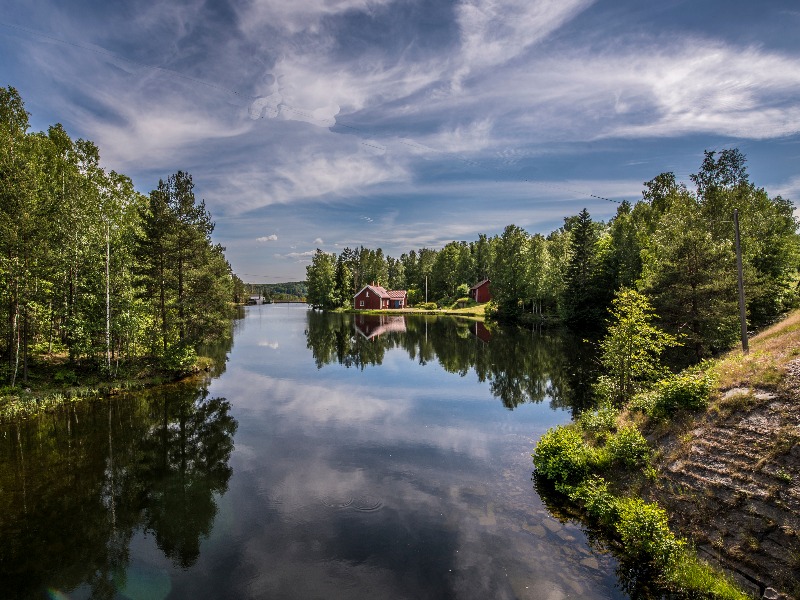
(267,238)
(295,17)
(318,241)
(493,32)
(788,189)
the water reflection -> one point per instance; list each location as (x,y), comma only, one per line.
(521,366)
(76,486)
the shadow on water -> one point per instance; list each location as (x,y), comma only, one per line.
(521,366)
(77,485)
(636,579)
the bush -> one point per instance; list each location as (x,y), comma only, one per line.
(628,447)
(600,420)
(179,359)
(65,377)
(645,534)
(685,391)
(598,502)
(462,290)
(428,306)
(563,458)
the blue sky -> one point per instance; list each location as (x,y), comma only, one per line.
(407,123)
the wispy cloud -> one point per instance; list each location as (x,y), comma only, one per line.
(267,238)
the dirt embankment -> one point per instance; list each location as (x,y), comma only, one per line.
(730,479)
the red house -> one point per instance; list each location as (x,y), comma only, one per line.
(480,292)
(375,297)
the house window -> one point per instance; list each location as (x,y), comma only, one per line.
(367,293)
(361,303)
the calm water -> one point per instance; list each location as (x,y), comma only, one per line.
(335,457)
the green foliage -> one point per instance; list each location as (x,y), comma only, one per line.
(179,359)
(562,457)
(598,502)
(462,291)
(65,377)
(632,346)
(685,391)
(644,530)
(428,306)
(585,296)
(321,276)
(603,419)
(91,268)
(628,447)
(415,296)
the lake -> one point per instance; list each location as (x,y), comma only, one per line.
(333,456)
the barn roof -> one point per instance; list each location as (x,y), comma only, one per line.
(479,284)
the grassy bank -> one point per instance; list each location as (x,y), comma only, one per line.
(656,474)
(56,383)
(599,465)
(475,311)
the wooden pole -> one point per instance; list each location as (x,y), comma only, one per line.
(742,309)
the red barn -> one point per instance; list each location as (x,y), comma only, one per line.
(376,298)
(480,292)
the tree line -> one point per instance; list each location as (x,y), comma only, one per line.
(93,270)
(675,246)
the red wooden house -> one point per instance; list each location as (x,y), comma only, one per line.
(480,292)
(375,297)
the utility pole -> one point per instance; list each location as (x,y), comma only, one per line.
(426,289)
(742,310)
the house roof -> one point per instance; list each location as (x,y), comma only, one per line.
(479,284)
(382,293)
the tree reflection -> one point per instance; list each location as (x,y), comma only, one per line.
(76,486)
(520,365)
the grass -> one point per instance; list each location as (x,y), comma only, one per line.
(477,311)
(770,352)
(57,384)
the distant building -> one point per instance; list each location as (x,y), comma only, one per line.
(480,292)
(376,298)
(253,300)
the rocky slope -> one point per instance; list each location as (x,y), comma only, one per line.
(731,478)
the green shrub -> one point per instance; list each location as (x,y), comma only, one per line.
(65,377)
(686,391)
(562,457)
(695,578)
(645,534)
(628,447)
(597,501)
(179,359)
(463,290)
(428,305)
(600,420)
(644,403)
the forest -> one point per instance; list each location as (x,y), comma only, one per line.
(93,272)
(675,246)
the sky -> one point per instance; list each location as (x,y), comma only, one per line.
(403,124)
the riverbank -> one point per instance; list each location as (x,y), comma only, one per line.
(711,461)
(730,476)
(57,384)
(476,312)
